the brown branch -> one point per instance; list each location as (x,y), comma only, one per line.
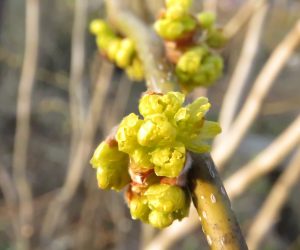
(274,202)
(261,87)
(23,123)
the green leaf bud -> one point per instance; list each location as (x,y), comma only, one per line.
(169,161)
(160,220)
(206,19)
(114,177)
(155,131)
(165,198)
(139,208)
(127,133)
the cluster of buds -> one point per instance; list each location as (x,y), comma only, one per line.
(150,154)
(121,51)
(191,42)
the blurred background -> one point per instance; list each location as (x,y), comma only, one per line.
(97,219)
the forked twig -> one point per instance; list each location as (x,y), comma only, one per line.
(274,202)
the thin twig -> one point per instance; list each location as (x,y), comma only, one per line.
(274,202)
(237,183)
(80,158)
(23,123)
(241,17)
(76,75)
(150,49)
(243,68)
(261,87)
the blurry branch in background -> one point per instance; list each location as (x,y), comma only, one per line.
(210,5)
(22,133)
(237,183)
(237,84)
(119,103)
(9,193)
(76,88)
(224,150)
(265,161)
(7,187)
(241,17)
(55,212)
(266,217)
(58,79)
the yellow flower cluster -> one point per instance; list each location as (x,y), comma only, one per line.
(150,154)
(119,50)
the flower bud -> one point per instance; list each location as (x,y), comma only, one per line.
(168,104)
(155,131)
(113,48)
(160,220)
(135,71)
(165,198)
(127,133)
(139,208)
(169,161)
(186,4)
(106,155)
(113,177)
(99,26)
(141,160)
(175,12)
